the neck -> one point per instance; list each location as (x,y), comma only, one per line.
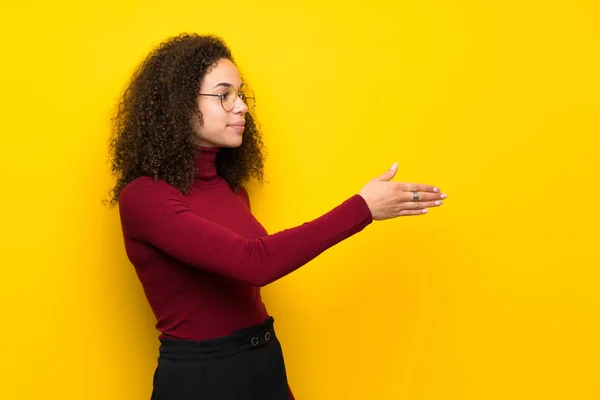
(206,167)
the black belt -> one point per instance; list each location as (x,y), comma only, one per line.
(239,341)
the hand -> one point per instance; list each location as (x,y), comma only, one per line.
(395,199)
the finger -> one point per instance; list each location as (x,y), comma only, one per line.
(408,213)
(389,174)
(418,187)
(419,205)
(423,196)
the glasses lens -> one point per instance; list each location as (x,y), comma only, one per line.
(228,99)
(248,98)
(230,96)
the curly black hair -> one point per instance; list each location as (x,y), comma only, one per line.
(151,132)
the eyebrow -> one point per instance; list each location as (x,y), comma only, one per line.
(227,84)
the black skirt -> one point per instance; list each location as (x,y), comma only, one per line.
(248,365)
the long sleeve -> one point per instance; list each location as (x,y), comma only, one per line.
(157,214)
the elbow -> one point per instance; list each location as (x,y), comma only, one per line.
(261,270)
(261,281)
(262,274)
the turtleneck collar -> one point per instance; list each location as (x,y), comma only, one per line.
(206,166)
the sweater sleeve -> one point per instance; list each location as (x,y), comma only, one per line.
(157,214)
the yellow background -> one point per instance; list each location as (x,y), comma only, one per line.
(492,296)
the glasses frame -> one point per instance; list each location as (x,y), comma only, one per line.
(238,95)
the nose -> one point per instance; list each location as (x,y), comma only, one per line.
(240,107)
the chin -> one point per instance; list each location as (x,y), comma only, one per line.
(236,142)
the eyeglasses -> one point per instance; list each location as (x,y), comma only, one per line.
(230,96)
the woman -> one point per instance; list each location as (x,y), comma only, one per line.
(184,143)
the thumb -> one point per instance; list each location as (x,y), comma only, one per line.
(389,174)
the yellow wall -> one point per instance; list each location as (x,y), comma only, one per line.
(493,296)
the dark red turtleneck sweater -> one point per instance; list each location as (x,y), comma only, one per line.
(202,257)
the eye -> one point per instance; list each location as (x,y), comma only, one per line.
(228,94)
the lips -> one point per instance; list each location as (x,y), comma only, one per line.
(238,127)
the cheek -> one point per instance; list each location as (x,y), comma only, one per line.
(214,117)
